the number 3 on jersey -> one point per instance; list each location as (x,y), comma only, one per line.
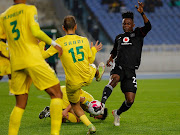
(78,52)
(14,30)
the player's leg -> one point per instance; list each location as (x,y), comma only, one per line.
(44,78)
(20,87)
(55,108)
(16,114)
(73,93)
(80,113)
(114,79)
(126,105)
(130,96)
(128,87)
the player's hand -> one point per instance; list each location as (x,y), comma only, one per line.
(97,46)
(109,61)
(98,117)
(59,48)
(65,114)
(140,8)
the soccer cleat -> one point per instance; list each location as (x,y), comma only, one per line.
(101,69)
(116,118)
(45,113)
(91,130)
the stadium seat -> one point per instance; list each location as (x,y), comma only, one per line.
(165,21)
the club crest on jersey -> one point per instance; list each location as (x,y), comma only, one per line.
(36,18)
(126,41)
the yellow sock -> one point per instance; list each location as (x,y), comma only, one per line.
(85,120)
(56,115)
(72,118)
(15,120)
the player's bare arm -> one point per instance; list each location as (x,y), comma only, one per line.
(59,48)
(65,111)
(109,61)
(141,11)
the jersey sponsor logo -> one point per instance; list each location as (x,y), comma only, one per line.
(126,41)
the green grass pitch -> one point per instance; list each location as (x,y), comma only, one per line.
(156,110)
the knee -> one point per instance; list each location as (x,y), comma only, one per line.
(130,101)
(58,94)
(116,77)
(114,80)
(55,92)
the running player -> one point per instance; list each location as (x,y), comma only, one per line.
(77,62)
(19,23)
(127,50)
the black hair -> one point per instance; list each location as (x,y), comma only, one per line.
(69,22)
(128,14)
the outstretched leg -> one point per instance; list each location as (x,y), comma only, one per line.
(109,88)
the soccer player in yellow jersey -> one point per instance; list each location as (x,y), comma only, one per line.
(77,59)
(19,23)
(5,68)
(68,113)
(4,59)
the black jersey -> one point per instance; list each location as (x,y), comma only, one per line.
(128,47)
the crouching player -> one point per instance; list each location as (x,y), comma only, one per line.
(68,113)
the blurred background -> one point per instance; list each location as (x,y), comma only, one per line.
(101,20)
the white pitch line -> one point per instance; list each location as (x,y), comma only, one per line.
(43,97)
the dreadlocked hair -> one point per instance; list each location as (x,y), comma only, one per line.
(128,14)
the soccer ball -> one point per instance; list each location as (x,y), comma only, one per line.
(95,107)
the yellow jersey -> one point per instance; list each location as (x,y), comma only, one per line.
(16,24)
(76,58)
(83,93)
(4,50)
